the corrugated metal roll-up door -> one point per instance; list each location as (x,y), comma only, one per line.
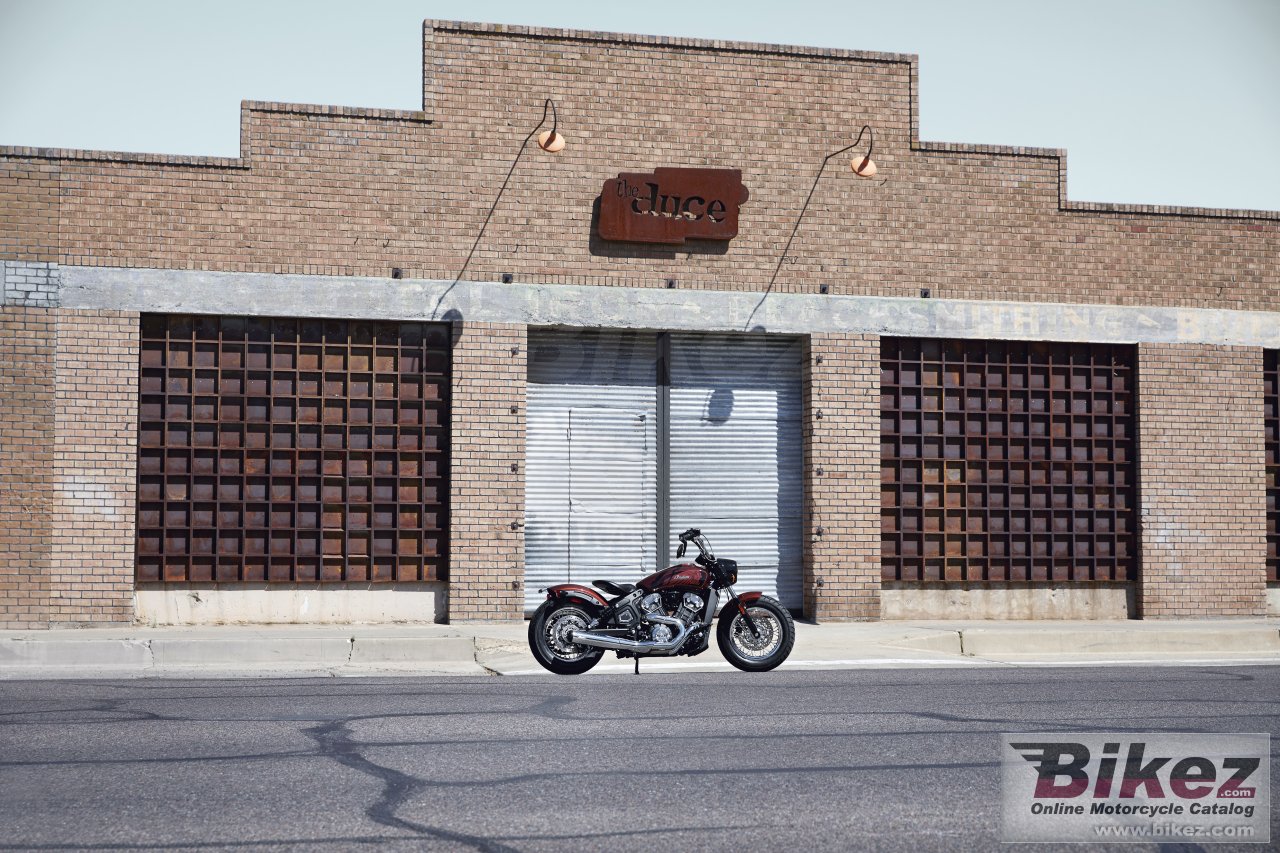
(591,466)
(736,454)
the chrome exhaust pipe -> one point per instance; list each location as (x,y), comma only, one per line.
(641,647)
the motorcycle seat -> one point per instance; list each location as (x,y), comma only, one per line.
(614,588)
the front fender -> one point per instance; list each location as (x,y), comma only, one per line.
(738,606)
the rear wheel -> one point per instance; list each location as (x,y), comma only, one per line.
(763,650)
(549,641)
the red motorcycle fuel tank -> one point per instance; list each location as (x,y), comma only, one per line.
(686,577)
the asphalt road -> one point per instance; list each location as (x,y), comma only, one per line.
(832,760)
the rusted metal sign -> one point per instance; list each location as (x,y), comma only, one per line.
(672,205)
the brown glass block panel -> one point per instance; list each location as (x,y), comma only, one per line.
(257,383)
(306,569)
(254,568)
(280,570)
(360,438)
(149,569)
(311,358)
(384,542)
(1271,396)
(360,386)
(310,410)
(285,450)
(358,570)
(360,360)
(362,517)
(201,569)
(382,570)
(1019,454)
(308,464)
(308,517)
(331,570)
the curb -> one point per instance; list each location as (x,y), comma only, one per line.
(378,650)
(998,641)
(25,655)
(993,641)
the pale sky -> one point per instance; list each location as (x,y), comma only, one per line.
(1156,101)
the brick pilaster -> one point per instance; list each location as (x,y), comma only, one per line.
(94,466)
(26,462)
(1203,481)
(841,379)
(486,533)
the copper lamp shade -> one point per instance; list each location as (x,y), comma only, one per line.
(550,141)
(863,166)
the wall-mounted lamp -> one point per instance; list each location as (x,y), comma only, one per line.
(864,167)
(550,140)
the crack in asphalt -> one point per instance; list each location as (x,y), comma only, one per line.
(334,741)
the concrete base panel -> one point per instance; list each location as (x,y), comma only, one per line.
(1006,601)
(1273,599)
(310,604)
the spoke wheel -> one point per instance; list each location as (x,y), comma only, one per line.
(549,638)
(760,650)
(766,639)
(558,629)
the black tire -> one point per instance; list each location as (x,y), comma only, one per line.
(557,655)
(778,635)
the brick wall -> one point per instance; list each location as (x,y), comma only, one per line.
(29,212)
(1203,481)
(346,191)
(486,553)
(32,283)
(26,460)
(841,386)
(95,409)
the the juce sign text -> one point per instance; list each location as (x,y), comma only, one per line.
(672,205)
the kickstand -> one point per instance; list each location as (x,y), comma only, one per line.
(637,664)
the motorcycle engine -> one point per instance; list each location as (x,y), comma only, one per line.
(690,611)
(687,608)
(652,603)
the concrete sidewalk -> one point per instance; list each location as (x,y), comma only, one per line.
(500,649)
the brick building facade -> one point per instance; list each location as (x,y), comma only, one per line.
(1075,403)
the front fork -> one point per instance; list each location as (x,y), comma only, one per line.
(734,601)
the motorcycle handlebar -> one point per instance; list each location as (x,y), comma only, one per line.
(691,533)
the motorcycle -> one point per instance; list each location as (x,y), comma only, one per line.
(668,613)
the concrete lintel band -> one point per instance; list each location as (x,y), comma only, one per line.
(204,292)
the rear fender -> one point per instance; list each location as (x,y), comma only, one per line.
(577,594)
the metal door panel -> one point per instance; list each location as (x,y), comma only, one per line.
(591,469)
(736,454)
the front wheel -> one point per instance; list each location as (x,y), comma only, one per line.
(549,639)
(758,652)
